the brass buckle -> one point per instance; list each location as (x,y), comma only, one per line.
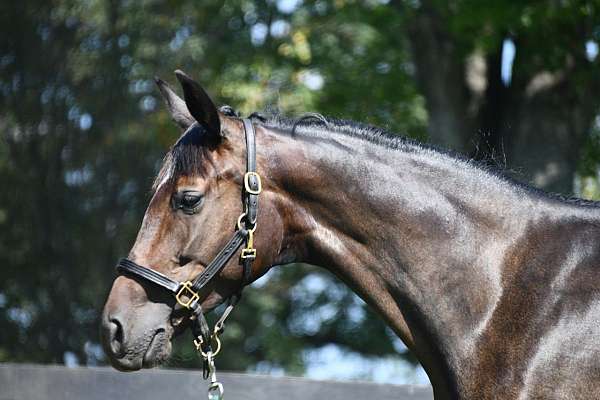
(248,253)
(186,290)
(247,183)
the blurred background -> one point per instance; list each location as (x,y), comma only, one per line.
(83,132)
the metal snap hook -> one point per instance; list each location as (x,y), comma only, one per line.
(199,342)
(215,391)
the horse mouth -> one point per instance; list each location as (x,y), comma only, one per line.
(157,351)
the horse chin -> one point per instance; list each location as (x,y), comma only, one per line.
(148,352)
(158,350)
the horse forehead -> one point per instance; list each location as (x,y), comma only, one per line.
(168,185)
(189,181)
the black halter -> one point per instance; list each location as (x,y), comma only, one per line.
(187,293)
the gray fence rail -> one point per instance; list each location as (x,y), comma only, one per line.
(36,382)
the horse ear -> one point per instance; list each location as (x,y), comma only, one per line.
(199,104)
(177,108)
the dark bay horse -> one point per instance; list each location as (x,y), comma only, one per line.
(494,286)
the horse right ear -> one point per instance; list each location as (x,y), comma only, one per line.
(200,105)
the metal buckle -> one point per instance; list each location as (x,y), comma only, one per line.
(247,183)
(215,391)
(186,290)
(248,253)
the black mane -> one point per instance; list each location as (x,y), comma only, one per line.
(390,140)
(187,156)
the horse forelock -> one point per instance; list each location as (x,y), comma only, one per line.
(187,157)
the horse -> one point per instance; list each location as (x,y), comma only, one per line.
(493,285)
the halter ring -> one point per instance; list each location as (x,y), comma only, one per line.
(239,223)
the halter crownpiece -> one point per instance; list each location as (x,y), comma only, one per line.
(187,293)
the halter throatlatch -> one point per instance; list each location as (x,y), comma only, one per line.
(187,293)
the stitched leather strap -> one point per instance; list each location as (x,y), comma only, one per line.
(220,260)
(251,200)
(218,263)
(129,267)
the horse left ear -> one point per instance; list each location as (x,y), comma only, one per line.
(199,104)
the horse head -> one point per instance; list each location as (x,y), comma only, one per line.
(194,208)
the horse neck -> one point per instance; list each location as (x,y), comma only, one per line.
(418,234)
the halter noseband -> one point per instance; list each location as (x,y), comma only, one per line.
(187,293)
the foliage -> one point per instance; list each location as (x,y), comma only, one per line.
(83,133)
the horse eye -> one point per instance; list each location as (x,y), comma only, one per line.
(190,200)
(187,201)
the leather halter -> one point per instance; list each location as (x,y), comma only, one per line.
(187,293)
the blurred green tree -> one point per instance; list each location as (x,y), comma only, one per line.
(83,133)
(516,81)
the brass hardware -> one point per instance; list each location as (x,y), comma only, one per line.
(199,342)
(247,183)
(215,391)
(239,223)
(249,251)
(186,290)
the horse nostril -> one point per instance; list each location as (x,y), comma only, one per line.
(183,260)
(116,336)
